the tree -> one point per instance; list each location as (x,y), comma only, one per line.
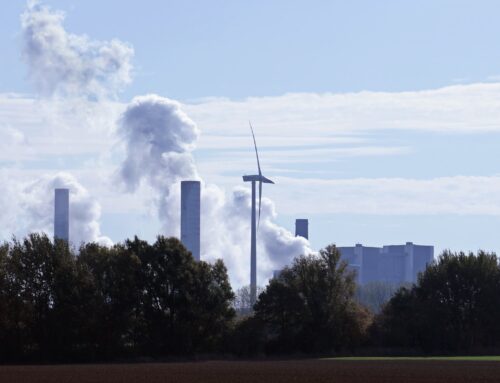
(242,303)
(185,305)
(41,288)
(453,308)
(212,307)
(396,325)
(311,306)
(5,326)
(105,302)
(115,297)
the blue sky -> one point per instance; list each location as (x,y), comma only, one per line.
(380,121)
(192,49)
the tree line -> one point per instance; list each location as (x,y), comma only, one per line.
(453,309)
(131,299)
(135,299)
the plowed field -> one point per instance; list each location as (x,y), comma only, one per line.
(262,371)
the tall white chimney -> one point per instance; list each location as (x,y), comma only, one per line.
(61,214)
(190,216)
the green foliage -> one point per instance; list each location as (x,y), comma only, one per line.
(4,297)
(134,298)
(248,337)
(114,277)
(310,307)
(186,304)
(453,308)
(41,291)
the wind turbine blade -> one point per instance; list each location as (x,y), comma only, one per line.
(256,152)
(260,200)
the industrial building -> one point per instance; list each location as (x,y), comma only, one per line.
(302,228)
(61,214)
(277,273)
(190,216)
(394,264)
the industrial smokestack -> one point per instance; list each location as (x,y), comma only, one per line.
(302,228)
(190,216)
(61,214)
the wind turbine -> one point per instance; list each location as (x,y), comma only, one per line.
(253,247)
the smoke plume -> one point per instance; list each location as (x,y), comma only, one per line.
(37,200)
(68,71)
(159,139)
(64,64)
(225,230)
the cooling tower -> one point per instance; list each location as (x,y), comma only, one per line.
(61,214)
(302,228)
(190,216)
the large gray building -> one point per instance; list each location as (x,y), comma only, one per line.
(302,228)
(395,264)
(190,216)
(61,214)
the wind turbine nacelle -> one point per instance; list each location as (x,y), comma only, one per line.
(257,178)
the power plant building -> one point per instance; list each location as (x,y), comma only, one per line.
(302,228)
(190,216)
(61,214)
(394,264)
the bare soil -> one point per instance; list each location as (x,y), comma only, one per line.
(310,370)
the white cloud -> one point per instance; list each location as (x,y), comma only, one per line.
(9,206)
(61,63)
(56,128)
(458,108)
(494,78)
(11,143)
(336,124)
(478,195)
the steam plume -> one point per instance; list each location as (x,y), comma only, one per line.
(37,203)
(65,64)
(159,138)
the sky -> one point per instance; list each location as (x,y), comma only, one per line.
(378,121)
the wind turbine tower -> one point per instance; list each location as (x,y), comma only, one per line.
(253,232)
